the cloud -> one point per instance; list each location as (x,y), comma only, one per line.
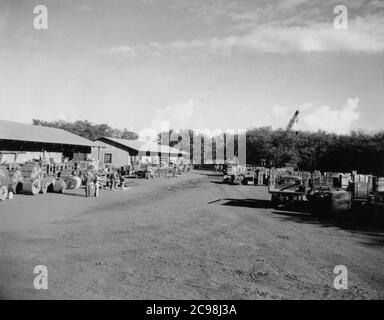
(125,51)
(362,36)
(65,116)
(177,115)
(337,121)
(314,116)
(279,28)
(5,11)
(84,7)
(320,37)
(290,4)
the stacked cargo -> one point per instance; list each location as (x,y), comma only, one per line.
(380,185)
(272,176)
(328,179)
(341,200)
(249,176)
(259,178)
(306,177)
(345,179)
(317,180)
(377,195)
(362,186)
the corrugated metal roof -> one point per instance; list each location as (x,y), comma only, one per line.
(10,130)
(133,144)
(146,146)
(100,144)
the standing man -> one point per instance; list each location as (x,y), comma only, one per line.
(113,179)
(89,184)
(97,185)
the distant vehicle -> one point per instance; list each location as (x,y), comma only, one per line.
(286,189)
(234,174)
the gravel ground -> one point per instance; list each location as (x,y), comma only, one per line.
(189,237)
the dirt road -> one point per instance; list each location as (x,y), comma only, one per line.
(181,238)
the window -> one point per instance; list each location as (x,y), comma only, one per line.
(107,157)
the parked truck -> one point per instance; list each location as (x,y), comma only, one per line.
(286,189)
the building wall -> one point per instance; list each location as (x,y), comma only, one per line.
(119,157)
(21,157)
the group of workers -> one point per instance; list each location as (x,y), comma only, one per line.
(114,179)
(221,168)
(92,184)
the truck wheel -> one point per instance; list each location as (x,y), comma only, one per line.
(275,201)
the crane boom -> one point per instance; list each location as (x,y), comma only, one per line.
(292,121)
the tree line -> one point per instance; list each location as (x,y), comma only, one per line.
(88,129)
(303,150)
(309,151)
(317,150)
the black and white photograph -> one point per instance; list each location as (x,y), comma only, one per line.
(210,151)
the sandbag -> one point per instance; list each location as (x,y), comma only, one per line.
(72,182)
(31,170)
(31,186)
(45,183)
(3,192)
(59,186)
(4,176)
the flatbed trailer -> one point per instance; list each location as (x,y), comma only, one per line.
(286,189)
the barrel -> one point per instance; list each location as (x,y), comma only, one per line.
(341,200)
(31,186)
(59,186)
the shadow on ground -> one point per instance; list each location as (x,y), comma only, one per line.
(263,204)
(211,174)
(362,223)
(369,227)
(75,194)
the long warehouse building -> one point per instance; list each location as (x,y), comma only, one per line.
(20,142)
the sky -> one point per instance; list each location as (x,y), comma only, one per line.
(195,63)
